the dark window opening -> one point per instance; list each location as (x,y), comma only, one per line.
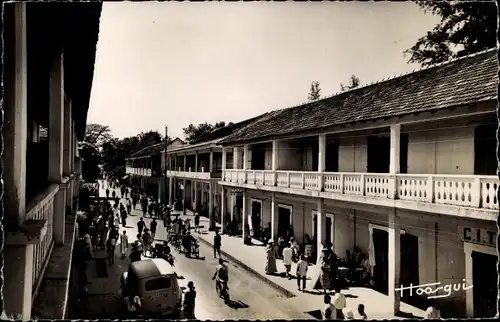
(332,157)
(158,284)
(485,150)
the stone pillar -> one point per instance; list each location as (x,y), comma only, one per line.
(394,163)
(222,208)
(224,158)
(184,195)
(274,159)
(274,227)
(170,190)
(17,288)
(321,158)
(321,228)
(195,197)
(185,162)
(196,162)
(56,143)
(245,157)
(233,204)
(236,158)
(244,214)
(211,215)
(211,162)
(394,260)
(67,150)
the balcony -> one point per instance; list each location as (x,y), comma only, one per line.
(203,175)
(469,191)
(139,171)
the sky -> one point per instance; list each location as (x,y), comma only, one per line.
(175,63)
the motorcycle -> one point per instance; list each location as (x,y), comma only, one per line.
(222,290)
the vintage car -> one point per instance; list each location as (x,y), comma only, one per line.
(155,282)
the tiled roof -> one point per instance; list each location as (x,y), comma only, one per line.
(466,80)
(152,149)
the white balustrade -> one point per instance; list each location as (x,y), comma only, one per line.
(43,208)
(459,190)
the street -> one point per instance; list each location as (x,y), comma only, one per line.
(250,297)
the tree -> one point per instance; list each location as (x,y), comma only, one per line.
(149,138)
(314,92)
(97,134)
(194,132)
(465,28)
(91,158)
(353,83)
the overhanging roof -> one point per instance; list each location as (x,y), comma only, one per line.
(468,80)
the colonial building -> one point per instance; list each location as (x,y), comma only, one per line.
(194,170)
(49,65)
(405,169)
(146,168)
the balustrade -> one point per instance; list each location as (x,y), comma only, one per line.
(459,190)
(42,207)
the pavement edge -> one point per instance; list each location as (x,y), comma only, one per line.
(260,276)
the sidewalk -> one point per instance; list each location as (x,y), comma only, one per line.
(253,259)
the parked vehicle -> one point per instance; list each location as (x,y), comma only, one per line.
(155,282)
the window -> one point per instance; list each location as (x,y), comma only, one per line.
(158,284)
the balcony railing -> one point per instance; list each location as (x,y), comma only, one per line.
(190,173)
(139,171)
(460,190)
(42,207)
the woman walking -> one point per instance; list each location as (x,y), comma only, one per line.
(271,258)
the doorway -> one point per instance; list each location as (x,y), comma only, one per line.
(256,216)
(485,279)
(381,269)
(409,269)
(284,220)
(329,227)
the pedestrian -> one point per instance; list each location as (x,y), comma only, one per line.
(111,245)
(187,224)
(113,194)
(308,248)
(144,206)
(432,312)
(140,226)
(124,244)
(196,222)
(302,267)
(328,311)
(361,315)
(135,254)
(129,206)
(134,200)
(107,193)
(271,258)
(287,260)
(339,301)
(217,244)
(189,301)
(325,270)
(152,227)
(116,221)
(146,241)
(124,217)
(140,246)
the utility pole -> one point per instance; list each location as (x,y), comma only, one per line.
(165,163)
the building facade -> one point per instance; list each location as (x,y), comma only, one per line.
(146,169)
(405,169)
(49,54)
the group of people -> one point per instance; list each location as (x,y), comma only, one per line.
(335,308)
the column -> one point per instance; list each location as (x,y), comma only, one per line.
(211,217)
(170,190)
(244,214)
(17,273)
(273,217)
(233,203)
(236,158)
(68,138)
(274,159)
(394,260)
(224,158)
(56,143)
(245,157)
(321,158)
(195,196)
(394,163)
(211,162)
(185,162)
(222,208)
(321,227)
(184,195)
(196,162)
